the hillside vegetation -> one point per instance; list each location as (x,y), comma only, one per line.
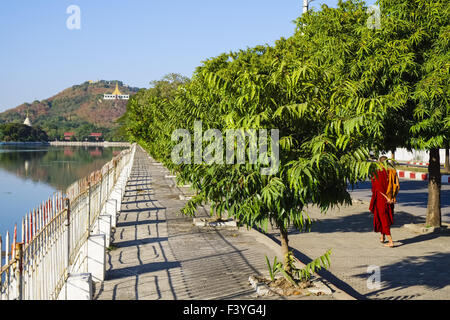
(17,132)
(79,109)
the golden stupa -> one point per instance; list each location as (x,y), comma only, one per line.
(116,94)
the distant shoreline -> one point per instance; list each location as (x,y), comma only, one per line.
(90,144)
(69,143)
(21,143)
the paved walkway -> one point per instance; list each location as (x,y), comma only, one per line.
(161,255)
(416,268)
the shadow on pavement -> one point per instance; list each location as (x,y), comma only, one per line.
(429,271)
(358,222)
(421,238)
(322,273)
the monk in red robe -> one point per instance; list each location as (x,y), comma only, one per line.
(385,187)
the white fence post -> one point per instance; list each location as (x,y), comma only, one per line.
(96,259)
(104,227)
(111,209)
(79,287)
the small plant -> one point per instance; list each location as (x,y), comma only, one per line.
(275,268)
(293,274)
(111,248)
(315,265)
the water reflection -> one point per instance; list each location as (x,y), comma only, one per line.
(29,175)
(55,166)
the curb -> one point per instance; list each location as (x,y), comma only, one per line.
(412,175)
(418,163)
(338,294)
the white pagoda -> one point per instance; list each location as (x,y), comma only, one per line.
(27,121)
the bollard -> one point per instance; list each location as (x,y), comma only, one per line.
(104,227)
(97,257)
(111,209)
(79,286)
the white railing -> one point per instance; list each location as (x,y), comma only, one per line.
(37,267)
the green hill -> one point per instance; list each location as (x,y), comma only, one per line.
(79,109)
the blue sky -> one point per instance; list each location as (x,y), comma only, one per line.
(135,41)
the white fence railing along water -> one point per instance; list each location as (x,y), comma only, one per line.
(54,236)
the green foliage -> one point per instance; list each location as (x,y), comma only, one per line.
(323,119)
(274,268)
(335,90)
(295,275)
(16,132)
(315,265)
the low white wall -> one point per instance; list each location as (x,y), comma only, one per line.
(415,155)
(90,263)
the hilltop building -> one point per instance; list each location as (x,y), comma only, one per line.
(116,95)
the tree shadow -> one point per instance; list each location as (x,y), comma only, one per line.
(137,223)
(429,271)
(141,209)
(192,263)
(330,277)
(360,222)
(141,269)
(423,237)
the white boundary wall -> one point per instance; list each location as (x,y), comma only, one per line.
(402,154)
(64,241)
(93,253)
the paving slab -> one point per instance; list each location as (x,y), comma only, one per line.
(416,268)
(159,254)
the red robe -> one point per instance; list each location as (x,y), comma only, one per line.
(383,212)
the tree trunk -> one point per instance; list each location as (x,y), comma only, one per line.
(447,160)
(434,190)
(285,248)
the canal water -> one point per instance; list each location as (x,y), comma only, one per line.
(31,174)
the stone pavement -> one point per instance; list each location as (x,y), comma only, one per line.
(416,268)
(159,254)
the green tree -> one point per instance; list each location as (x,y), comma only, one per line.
(432,110)
(17,132)
(298,87)
(334,90)
(406,65)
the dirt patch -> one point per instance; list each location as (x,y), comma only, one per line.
(283,287)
